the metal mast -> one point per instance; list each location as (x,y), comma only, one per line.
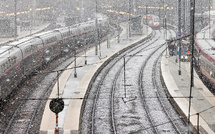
(192,19)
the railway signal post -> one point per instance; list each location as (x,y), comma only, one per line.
(56,106)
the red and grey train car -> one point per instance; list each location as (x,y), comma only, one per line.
(21,58)
(152,20)
(205,55)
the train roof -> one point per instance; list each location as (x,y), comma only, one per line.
(18,42)
(4,49)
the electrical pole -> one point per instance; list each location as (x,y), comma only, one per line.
(82,11)
(124,76)
(209,8)
(184,16)
(118,29)
(75,72)
(15,20)
(179,34)
(34,12)
(96,44)
(165,26)
(146,20)
(192,19)
(129,22)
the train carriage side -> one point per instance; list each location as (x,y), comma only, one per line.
(64,42)
(104,26)
(20,58)
(80,33)
(207,68)
(51,47)
(31,61)
(73,38)
(10,58)
(79,40)
(90,36)
(205,60)
(89,33)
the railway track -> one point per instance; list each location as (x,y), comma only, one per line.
(119,102)
(24,117)
(22,112)
(150,92)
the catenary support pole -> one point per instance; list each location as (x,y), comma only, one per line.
(15,20)
(179,35)
(96,44)
(197,123)
(192,17)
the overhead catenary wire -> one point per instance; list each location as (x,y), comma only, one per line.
(104,98)
(65,69)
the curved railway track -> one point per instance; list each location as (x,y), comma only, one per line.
(22,113)
(121,100)
(24,117)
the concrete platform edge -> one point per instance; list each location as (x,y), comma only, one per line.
(165,77)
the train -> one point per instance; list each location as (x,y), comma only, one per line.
(19,59)
(152,20)
(204,57)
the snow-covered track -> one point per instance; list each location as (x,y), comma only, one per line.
(114,103)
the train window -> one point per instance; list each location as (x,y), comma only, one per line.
(156,19)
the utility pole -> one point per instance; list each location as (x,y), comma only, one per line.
(75,72)
(15,20)
(129,22)
(209,8)
(34,12)
(135,7)
(184,16)
(118,29)
(96,44)
(82,11)
(124,76)
(192,19)
(165,26)
(179,34)
(146,20)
